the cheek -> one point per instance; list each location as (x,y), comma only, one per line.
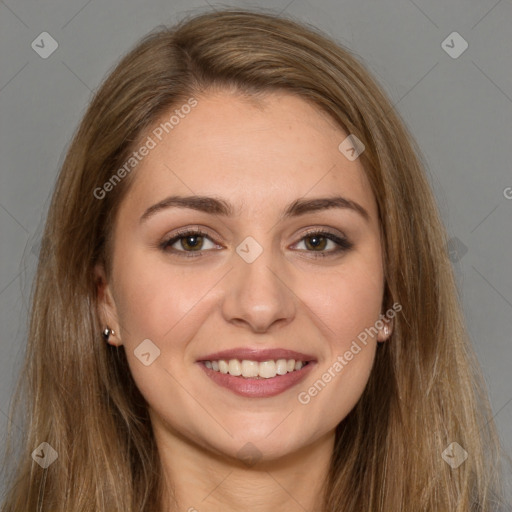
(154,297)
(348,305)
(355,308)
(167,305)
(164,305)
(348,300)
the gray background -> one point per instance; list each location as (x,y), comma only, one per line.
(459,110)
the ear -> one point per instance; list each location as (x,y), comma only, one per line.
(107,311)
(386,330)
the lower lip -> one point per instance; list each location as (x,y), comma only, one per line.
(258,388)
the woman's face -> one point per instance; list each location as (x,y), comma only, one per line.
(258,284)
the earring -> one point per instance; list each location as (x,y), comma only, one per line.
(386,330)
(107,332)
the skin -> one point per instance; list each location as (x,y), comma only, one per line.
(260,156)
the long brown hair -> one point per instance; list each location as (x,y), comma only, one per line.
(425,390)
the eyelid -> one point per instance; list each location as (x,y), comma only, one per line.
(325,231)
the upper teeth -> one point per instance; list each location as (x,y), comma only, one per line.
(255,369)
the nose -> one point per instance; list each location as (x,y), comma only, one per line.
(257,295)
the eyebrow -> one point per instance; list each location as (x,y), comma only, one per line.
(217,206)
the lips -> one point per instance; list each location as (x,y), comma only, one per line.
(258,387)
(259,355)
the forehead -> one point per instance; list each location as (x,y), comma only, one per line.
(256,154)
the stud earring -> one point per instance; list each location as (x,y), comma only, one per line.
(107,332)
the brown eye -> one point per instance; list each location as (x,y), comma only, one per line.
(187,242)
(318,241)
(192,242)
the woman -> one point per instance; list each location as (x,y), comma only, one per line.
(243,300)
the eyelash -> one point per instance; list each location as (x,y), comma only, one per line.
(343,243)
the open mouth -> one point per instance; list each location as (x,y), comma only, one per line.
(257,373)
(249,369)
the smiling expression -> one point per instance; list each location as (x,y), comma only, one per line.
(246,229)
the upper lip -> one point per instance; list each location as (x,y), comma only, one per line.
(254,354)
